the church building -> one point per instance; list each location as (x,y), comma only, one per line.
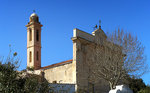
(74,71)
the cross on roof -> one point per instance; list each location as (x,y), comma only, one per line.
(99,24)
(33,11)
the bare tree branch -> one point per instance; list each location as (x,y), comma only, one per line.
(120,55)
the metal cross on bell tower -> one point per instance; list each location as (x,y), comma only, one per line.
(99,24)
(33,11)
(95,27)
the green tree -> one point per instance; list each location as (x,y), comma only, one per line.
(13,81)
(35,84)
(8,75)
(136,84)
(145,90)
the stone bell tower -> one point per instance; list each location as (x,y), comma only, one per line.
(34,42)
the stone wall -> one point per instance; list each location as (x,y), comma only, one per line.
(83,53)
(78,71)
(62,88)
(59,74)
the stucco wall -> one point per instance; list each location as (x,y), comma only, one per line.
(83,54)
(60,74)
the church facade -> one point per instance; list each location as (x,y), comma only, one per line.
(74,71)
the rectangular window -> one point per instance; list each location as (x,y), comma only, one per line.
(54,82)
(30,56)
(30,34)
(91,87)
(37,35)
(37,56)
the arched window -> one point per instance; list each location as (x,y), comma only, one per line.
(30,34)
(30,56)
(37,35)
(37,56)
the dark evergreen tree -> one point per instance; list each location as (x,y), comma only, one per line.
(136,84)
(13,81)
(145,90)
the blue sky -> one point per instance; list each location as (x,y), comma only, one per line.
(60,17)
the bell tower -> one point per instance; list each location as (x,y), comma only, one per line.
(34,42)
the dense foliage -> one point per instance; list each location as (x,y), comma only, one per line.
(13,81)
(145,90)
(136,84)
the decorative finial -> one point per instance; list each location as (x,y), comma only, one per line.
(95,27)
(99,24)
(33,11)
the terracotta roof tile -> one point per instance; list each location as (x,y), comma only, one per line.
(57,64)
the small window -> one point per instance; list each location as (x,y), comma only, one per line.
(30,34)
(91,87)
(55,82)
(37,35)
(30,57)
(37,56)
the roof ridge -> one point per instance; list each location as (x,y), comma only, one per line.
(57,64)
